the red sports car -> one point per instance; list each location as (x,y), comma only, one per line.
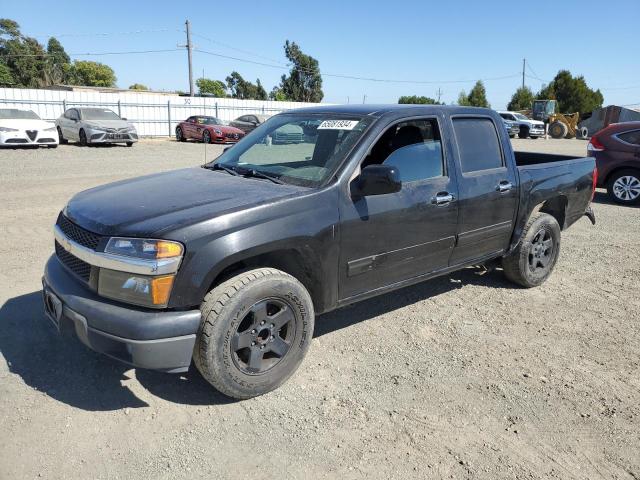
(207,130)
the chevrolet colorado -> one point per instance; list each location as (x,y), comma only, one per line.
(228,264)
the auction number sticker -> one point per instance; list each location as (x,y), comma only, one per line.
(338,125)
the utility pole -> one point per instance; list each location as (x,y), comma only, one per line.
(189,46)
(439,93)
(524,62)
(364,98)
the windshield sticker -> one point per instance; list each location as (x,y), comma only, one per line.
(338,125)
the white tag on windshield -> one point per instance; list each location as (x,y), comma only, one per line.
(338,125)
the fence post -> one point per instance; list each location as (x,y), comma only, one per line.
(263,109)
(217,110)
(64,105)
(169,115)
(119,111)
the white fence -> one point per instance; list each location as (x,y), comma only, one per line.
(153,114)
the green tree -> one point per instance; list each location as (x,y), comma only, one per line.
(278,95)
(6,79)
(572,93)
(23,56)
(416,100)
(91,74)
(57,65)
(304,83)
(138,86)
(521,99)
(241,88)
(477,96)
(211,87)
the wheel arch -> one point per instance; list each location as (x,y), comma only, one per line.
(617,169)
(556,207)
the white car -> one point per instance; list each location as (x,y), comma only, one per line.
(528,127)
(91,126)
(19,128)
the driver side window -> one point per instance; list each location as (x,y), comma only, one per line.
(413,146)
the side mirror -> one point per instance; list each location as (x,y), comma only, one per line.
(376,180)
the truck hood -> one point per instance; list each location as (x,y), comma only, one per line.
(162,202)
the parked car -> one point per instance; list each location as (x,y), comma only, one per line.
(227,265)
(513,128)
(248,123)
(208,130)
(25,128)
(92,126)
(528,128)
(616,149)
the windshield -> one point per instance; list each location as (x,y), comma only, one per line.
(301,149)
(210,121)
(14,113)
(520,116)
(99,114)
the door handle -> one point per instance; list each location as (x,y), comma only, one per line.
(504,186)
(442,198)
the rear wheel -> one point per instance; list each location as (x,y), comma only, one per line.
(623,187)
(256,329)
(533,260)
(558,130)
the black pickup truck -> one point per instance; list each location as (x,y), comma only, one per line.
(228,264)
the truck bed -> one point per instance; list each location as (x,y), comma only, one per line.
(524,159)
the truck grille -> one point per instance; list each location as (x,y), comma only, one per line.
(79,267)
(78,234)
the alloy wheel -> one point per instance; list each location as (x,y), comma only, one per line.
(541,250)
(264,336)
(627,188)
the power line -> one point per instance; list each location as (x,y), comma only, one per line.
(91,54)
(247,52)
(351,77)
(106,34)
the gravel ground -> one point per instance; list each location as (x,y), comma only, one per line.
(465,376)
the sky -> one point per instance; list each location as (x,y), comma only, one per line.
(418,47)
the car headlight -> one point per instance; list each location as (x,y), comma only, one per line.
(7,129)
(144,248)
(217,131)
(50,129)
(96,128)
(131,129)
(146,290)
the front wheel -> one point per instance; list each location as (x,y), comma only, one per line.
(524,132)
(624,187)
(532,261)
(129,144)
(206,137)
(180,135)
(83,138)
(255,331)
(61,139)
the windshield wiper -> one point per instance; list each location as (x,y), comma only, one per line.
(258,174)
(219,166)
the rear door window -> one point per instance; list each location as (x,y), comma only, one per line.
(478,144)
(632,137)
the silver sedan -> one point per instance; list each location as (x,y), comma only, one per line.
(94,126)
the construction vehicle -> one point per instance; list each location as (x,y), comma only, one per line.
(561,125)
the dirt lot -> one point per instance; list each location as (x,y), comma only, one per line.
(465,376)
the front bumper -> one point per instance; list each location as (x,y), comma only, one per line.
(157,340)
(22,139)
(100,136)
(536,132)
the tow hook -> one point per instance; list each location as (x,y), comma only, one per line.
(590,215)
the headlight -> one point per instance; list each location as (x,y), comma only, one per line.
(217,132)
(131,129)
(96,128)
(144,248)
(50,129)
(7,129)
(148,291)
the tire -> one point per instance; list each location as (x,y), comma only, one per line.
(524,132)
(52,146)
(61,139)
(83,138)
(558,130)
(623,187)
(180,135)
(240,348)
(206,137)
(129,144)
(533,260)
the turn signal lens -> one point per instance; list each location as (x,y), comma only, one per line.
(161,289)
(168,249)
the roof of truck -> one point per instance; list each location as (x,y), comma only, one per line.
(373,109)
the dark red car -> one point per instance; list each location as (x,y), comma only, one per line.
(207,130)
(617,152)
